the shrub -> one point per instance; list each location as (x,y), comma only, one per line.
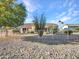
(55,31)
(69,32)
(77,28)
(32,32)
(40,33)
(16,31)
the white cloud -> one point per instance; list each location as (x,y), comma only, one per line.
(65,3)
(60,15)
(30,6)
(75,13)
(71,8)
(67,15)
(74,21)
(68,3)
(65,18)
(71,3)
(70,11)
(56,4)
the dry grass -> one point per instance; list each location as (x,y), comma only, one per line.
(16,37)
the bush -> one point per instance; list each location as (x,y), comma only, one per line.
(32,32)
(54,31)
(69,32)
(40,33)
(16,31)
(77,28)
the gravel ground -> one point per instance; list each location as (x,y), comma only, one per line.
(24,49)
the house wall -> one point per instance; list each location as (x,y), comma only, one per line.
(32,29)
(71,27)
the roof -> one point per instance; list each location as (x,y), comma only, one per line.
(72,24)
(29,25)
(50,25)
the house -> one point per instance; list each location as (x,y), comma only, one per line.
(27,28)
(30,28)
(72,27)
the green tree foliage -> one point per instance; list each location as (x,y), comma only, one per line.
(40,22)
(12,14)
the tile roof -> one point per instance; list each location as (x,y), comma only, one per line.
(72,24)
(29,25)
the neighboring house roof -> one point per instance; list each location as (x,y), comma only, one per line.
(50,25)
(29,25)
(72,24)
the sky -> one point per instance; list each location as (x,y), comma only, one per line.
(65,10)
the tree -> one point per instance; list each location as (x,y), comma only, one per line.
(12,14)
(40,22)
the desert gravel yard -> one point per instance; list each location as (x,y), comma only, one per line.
(38,48)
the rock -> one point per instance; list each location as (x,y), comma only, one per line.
(30,50)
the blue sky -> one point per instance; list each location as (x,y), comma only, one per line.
(55,10)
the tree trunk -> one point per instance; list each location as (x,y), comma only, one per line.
(6,32)
(41,33)
(1,33)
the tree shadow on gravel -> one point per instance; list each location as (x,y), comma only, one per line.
(53,40)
